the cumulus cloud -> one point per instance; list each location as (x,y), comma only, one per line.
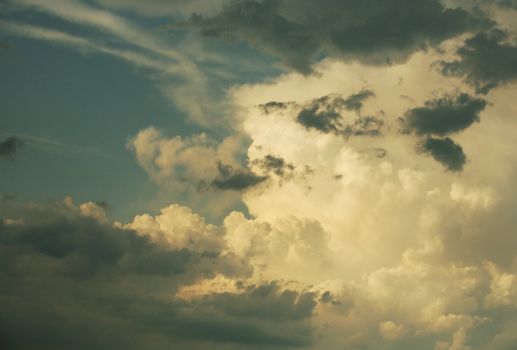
(408,250)
(374,32)
(347,242)
(109,286)
(195,160)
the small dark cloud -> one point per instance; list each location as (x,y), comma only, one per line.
(103,204)
(325,121)
(10,147)
(327,114)
(445,151)
(274,164)
(443,116)
(300,32)
(485,61)
(355,102)
(364,126)
(235,179)
(274,106)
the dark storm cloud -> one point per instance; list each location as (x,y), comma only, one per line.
(70,282)
(445,115)
(485,61)
(235,179)
(10,147)
(370,31)
(445,151)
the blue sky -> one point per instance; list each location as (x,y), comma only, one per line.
(77,108)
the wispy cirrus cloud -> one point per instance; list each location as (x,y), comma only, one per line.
(180,78)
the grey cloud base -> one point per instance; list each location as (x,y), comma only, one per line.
(373,32)
(71,282)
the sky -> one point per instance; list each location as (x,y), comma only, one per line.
(258,174)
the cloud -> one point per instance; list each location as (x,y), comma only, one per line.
(10,147)
(327,114)
(79,43)
(357,197)
(355,102)
(445,115)
(444,151)
(324,121)
(486,61)
(277,165)
(68,277)
(230,179)
(353,242)
(161,8)
(508,3)
(197,161)
(374,32)
(79,12)
(181,79)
